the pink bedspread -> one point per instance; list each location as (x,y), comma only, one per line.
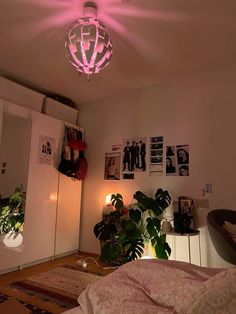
(144,286)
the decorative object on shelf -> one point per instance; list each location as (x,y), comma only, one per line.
(88,46)
(124,232)
(166,226)
(12,219)
(183,219)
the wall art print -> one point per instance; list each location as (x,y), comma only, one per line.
(171,169)
(182,153)
(46,150)
(177,160)
(116,148)
(156,156)
(134,154)
(112,166)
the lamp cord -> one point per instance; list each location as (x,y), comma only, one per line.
(83,262)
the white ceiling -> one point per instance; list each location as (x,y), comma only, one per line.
(154,41)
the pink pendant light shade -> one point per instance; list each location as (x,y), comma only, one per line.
(88,46)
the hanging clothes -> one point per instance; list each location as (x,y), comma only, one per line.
(73,163)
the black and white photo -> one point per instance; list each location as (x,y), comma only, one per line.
(154,153)
(156,160)
(183,170)
(134,155)
(156,146)
(170,165)
(112,166)
(156,139)
(182,154)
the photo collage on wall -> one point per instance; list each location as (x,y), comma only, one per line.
(126,159)
(177,160)
(131,157)
(156,156)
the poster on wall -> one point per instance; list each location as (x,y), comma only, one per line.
(116,148)
(155,156)
(128,176)
(112,166)
(182,152)
(46,150)
(134,154)
(171,169)
(177,160)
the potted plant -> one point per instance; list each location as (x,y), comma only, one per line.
(12,219)
(124,232)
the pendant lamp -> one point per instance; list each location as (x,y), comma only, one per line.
(88,46)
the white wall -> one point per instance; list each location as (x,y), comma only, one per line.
(199,111)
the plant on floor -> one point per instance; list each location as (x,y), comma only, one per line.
(124,232)
(12,215)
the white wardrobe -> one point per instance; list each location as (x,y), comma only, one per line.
(52,213)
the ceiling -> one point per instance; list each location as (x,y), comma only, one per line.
(153,40)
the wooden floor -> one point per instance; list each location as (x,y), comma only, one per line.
(8,278)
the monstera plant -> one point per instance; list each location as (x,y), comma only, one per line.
(124,232)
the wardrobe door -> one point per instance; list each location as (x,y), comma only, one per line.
(15,134)
(42,189)
(68,215)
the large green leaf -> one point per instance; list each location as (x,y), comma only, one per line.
(135,215)
(163,198)
(117,201)
(104,231)
(153,226)
(157,205)
(160,251)
(130,230)
(167,248)
(135,248)
(111,252)
(143,200)
(161,247)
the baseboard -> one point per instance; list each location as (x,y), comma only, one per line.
(66,254)
(39,261)
(88,253)
(9,270)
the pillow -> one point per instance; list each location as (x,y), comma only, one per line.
(216,295)
(231,228)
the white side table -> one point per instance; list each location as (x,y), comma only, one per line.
(189,235)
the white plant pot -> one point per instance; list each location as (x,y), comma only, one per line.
(12,239)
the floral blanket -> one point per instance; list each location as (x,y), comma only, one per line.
(160,286)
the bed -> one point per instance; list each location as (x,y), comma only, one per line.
(161,286)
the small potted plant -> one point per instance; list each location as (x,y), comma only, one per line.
(12,219)
(124,233)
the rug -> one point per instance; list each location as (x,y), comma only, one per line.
(54,291)
(9,305)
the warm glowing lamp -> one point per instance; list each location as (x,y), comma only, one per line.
(149,251)
(108,199)
(88,46)
(108,208)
